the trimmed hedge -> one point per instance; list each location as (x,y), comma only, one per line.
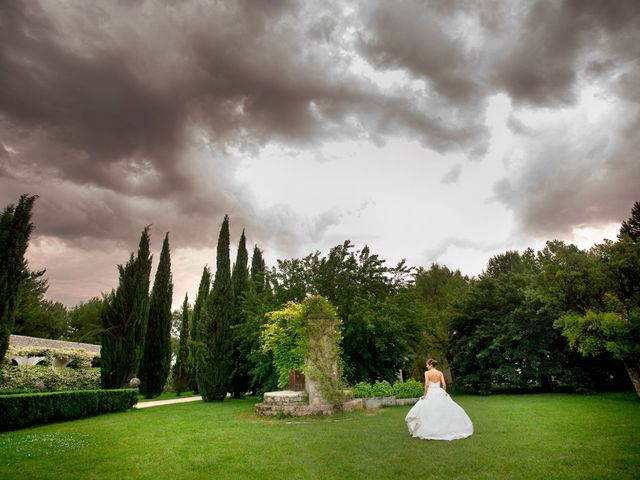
(23,410)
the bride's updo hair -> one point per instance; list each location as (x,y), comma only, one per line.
(433,362)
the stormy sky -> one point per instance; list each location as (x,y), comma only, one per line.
(432,131)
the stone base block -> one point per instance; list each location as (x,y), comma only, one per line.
(286,398)
(406,401)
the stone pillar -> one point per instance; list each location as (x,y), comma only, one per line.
(321,365)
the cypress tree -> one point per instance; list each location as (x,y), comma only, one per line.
(15,229)
(156,358)
(201,300)
(631,227)
(258,276)
(124,319)
(214,335)
(181,369)
(240,281)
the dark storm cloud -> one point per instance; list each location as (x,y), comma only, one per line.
(114,96)
(114,111)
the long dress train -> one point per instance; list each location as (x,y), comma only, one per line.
(438,417)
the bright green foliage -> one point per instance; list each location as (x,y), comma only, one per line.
(196,315)
(83,322)
(24,410)
(363,390)
(306,336)
(124,319)
(181,373)
(382,389)
(594,333)
(214,327)
(156,358)
(408,389)
(240,358)
(15,229)
(284,336)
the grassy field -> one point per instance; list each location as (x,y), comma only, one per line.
(548,436)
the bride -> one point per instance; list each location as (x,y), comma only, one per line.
(436,416)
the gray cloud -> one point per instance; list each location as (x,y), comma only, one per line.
(120,114)
(452,175)
(112,99)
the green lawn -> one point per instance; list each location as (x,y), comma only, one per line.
(541,436)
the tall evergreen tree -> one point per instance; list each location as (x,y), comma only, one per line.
(198,307)
(214,365)
(181,371)
(258,270)
(124,319)
(631,226)
(15,229)
(156,358)
(240,281)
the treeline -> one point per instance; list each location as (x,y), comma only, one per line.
(559,318)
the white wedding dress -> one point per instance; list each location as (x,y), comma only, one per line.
(438,417)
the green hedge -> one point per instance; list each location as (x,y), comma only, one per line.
(48,378)
(23,410)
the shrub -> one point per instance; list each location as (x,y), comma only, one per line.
(382,389)
(362,390)
(408,389)
(80,358)
(23,410)
(52,378)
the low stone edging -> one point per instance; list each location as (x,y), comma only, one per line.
(294,404)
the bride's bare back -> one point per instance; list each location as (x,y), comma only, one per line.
(435,376)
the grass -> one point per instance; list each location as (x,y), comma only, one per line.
(533,436)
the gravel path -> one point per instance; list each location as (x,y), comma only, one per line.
(156,403)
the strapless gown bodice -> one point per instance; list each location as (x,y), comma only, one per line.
(438,417)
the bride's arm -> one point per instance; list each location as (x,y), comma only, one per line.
(442,382)
(426,384)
